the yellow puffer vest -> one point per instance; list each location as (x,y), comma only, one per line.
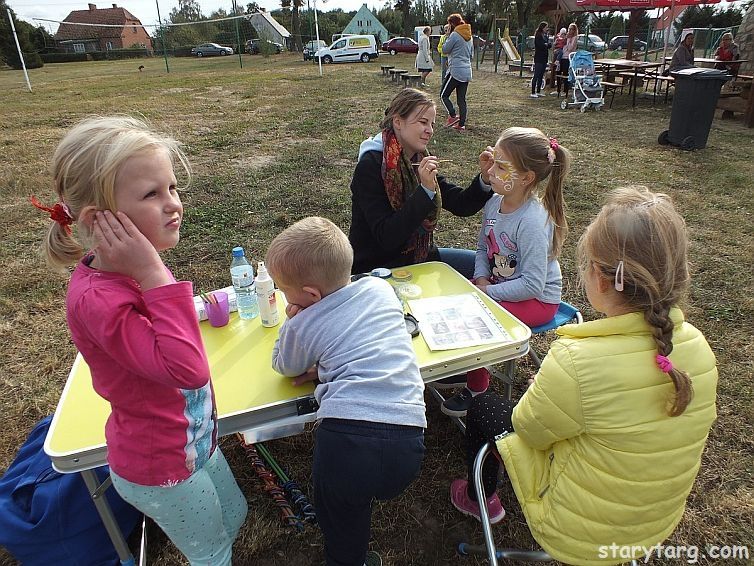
(596,459)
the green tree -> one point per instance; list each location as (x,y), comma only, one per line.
(617,27)
(295,6)
(187,11)
(404,6)
(8,50)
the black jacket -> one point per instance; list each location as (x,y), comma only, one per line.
(379,234)
(541,45)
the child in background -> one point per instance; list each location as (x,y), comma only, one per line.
(521,237)
(370,440)
(557,47)
(137,329)
(608,438)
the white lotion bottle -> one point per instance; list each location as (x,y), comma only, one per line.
(268,307)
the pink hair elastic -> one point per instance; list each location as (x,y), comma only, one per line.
(665,365)
(551,150)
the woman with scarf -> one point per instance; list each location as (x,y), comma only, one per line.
(396,193)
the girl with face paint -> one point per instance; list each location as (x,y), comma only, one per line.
(521,235)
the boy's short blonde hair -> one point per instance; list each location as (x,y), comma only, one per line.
(314,252)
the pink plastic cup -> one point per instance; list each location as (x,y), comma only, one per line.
(218,314)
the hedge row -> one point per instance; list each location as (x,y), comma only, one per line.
(96,56)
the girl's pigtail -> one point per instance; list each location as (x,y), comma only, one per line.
(658,318)
(60,248)
(553,200)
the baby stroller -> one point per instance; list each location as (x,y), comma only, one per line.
(587,88)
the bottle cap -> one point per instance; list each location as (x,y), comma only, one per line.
(381,272)
(261,268)
(238,251)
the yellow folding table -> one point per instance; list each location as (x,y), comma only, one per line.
(251,397)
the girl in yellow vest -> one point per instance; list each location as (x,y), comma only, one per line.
(603,448)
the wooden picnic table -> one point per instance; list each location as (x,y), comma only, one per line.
(618,64)
(710,61)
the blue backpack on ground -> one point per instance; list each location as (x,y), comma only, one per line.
(49,518)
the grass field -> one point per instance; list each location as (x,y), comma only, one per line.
(274,142)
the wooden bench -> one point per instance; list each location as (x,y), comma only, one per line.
(396,73)
(515,65)
(611,88)
(385,69)
(741,104)
(411,79)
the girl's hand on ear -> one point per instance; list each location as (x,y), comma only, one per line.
(122,248)
(486,161)
(428,172)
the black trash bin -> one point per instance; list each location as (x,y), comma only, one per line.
(694,102)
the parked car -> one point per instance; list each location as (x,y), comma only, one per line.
(400,45)
(253,46)
(352,48)
(620,42)
(312,47)
(207,49)
(594,44)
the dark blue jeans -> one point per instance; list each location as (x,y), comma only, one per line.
(460,87)
(539,77)
(356,462)
(459,259)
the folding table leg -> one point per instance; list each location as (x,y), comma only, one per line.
(97,492)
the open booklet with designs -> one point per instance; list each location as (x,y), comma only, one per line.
(457,321)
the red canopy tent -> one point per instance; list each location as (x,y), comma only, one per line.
(632,5)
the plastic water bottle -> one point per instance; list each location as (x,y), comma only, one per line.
(268,308)
(242,275)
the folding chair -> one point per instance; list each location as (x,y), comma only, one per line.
(493,553)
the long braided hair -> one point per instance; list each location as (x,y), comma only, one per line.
(643,230)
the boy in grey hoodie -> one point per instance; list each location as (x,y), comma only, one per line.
(369,442)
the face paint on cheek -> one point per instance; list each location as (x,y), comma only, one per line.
(507,175)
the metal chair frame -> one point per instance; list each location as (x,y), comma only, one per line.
(493,554)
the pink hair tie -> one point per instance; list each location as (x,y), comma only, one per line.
(665,365)
(551,150)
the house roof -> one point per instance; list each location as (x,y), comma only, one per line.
(277,26)
(668,17)
(365,14)
(114,16)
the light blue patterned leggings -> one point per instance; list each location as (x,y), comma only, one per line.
(201,515)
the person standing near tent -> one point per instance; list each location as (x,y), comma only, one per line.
(424,63)
(683,57)
(541,47)
(458,48)
(569,47)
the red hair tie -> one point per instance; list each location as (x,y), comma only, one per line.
(59,213)
(554,143)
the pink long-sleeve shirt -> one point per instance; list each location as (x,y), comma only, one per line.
(147,359)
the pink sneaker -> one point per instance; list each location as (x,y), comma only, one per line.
(458,128)
(461,501)
(452,121)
